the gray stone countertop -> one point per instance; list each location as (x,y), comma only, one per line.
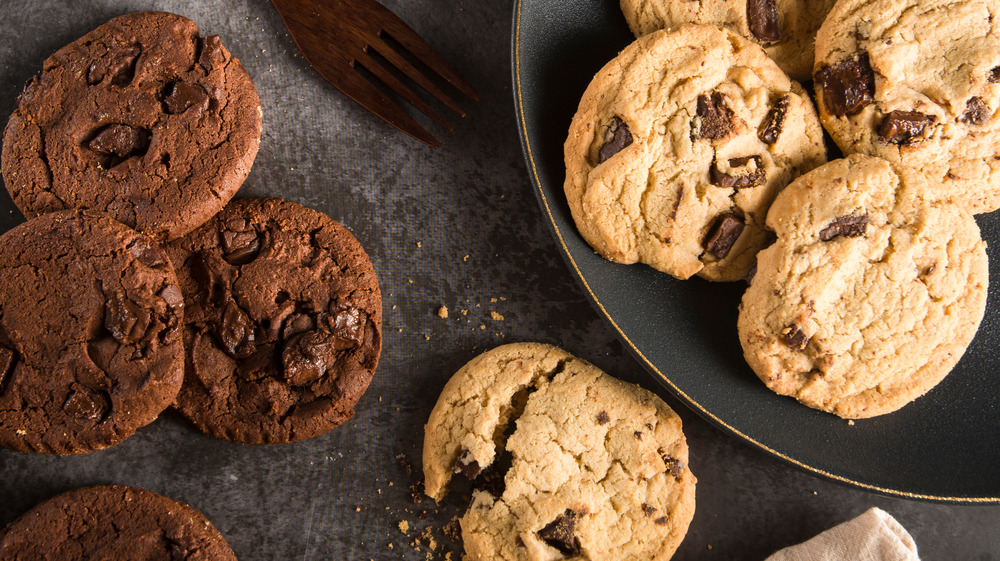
(456,226)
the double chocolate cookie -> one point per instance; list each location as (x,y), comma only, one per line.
(283,325)
(113,522)
(141,118)
(90,342)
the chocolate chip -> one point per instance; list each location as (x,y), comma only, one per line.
(977,112)
(716,116)
(662,521)
(616,138)
(184,96)
(771,127)
(115,143)
(236,332)
(723,235)
(994,76)
(466,466)
(904,127)
(211,52)
(559,533)
(673,466)
(348,328)
(762,15)
(794,337)
(86,404)
(126,320)
(240,241)
(850,226)
(648,510)
(118,66)
(752,178)
(602,418)
(848,86)
(308,356)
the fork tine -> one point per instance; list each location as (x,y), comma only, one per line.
(395,85)
(412,73)
(408,38)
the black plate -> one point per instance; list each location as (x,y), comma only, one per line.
(943,447)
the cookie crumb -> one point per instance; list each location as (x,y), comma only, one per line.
(496,316)
(404,526)
(465,312)
(482,326)
(443,312)
(452,530)
(493,300)
(850,422)
(466,258)
(418,244)
(427,337)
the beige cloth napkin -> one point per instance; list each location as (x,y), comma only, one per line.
(873,536)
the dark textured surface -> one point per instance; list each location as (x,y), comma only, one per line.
(342,495)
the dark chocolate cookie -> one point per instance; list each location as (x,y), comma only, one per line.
(141,118)
(283,322)
(113,522)
(90,342)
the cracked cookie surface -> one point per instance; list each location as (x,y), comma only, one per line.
(598,468)
(917,82)
(142,119)
(113,522)
(786,29)
(283,326)
(679,146)
(871,293)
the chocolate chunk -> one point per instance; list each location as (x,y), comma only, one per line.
(211,52)
(673,466)
(976,111)
(723,235)
(602,418)
(848,86)
(8,359)
(466,466)
(184,96)
(850,226)
(648,510)
(662,521)
(762,15)
(213,278)
(118,65)
(716,116)
(559,533)
(616,138)
(236,332)
(348,328)
(125,320)
(794,337)
(904,127)
(752,178)
(115,143)
(146,254)
(240,241)
(30,87)
(771,127)
(86,404)
(308,356)
(994,76)
(297,323)
(751,274)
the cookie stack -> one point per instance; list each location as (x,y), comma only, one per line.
(136,284)
(694,153)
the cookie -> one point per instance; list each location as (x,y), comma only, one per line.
(90,342)
(113,522)
(597,467)
(283,322)
(871,294)
(679,146)
(786,29)
(916,82)
(141,118)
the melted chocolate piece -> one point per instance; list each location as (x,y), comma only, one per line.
(850,226)
(762,15)
(794,337)
(211,53)
(240,241)
(348,328)
(904,127)
(118,65)
(236,332)
(308,356)
(616,138)
(775,120)
(125,320)
(86,404)
(463,465)
(723,235)
(184,96)
(602,418)
(752,178)
(976,111)
(116,143)
(212,277)
(716,117)
(848,86)
(994,76)
(559,533)
(297,323)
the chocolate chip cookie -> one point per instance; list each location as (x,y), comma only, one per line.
(679,146)
(916,82)
(786,29)
(141,118)
(871,294)
(283,326)
(595,465)
(113,522)
(90,342)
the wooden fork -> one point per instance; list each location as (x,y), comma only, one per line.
(337,37)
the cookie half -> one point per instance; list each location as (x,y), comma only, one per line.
(284,322)
(598,468)
(90,342)
(917,82)
(786,29)
(679,146)
(113,522)
(871,294)
(142,119)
